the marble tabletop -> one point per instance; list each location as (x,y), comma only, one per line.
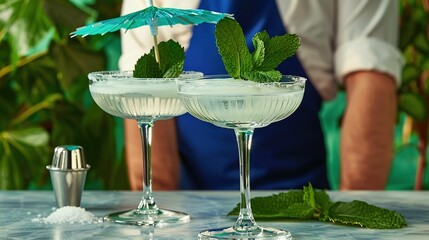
(207,210)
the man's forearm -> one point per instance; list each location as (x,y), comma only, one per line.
(367,130)
(133,154)
(165,156)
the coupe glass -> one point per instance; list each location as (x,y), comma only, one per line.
(145,100)
(242,106)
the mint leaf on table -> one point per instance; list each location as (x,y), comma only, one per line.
(315,204)
(309,196)
(323,204)
(261,209)
(172,59)
(257,66)
(365,215)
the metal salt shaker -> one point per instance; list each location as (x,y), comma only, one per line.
(68,173)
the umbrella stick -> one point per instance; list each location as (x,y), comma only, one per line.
(155,41)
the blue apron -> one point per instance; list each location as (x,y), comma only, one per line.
(286,154)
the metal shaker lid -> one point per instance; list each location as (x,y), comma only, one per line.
(68,157)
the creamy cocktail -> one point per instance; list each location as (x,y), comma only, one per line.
(145,100)
(231,103)
(131,98)
(242,106)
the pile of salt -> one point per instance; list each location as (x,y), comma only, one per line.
(69,214)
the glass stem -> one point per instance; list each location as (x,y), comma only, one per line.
(245,221)
(147,204)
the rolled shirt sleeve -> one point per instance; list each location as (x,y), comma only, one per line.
(367,36)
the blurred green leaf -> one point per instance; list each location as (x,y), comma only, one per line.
(73,60)
(33,137)
(425,64)
(410,73)
(414,105)
(10,173)
(25,21)
(47,90)
(43,44)
(7,105)
(93,126)
(68,15)
(83,5)
(48,102)
(425,82)
(16,147)
(421,43)
(414,44)
(408,32)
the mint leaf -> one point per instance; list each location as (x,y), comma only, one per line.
(260,65)
(231,43)
(172,59)
(322,199)
(323,203)
(298,210)
(315,204)
(147,67)
(259,42)
(263,76)
(291,204)
(365,215)
(263,36)
(309,196)
(271,206)
(258,55)
(278,49)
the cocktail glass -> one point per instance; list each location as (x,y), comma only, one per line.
(242,106)
(145,100)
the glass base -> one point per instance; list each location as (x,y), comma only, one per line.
(159,218)
(231,233)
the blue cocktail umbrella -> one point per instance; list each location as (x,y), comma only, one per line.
(153,17)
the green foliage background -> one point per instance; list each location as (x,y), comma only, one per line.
(44,98)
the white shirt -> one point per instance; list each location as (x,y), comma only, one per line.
(337,37)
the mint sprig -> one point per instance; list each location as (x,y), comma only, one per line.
(262,63)
(315,204)
(170,65)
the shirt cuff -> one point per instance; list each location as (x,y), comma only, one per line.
(368,54)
